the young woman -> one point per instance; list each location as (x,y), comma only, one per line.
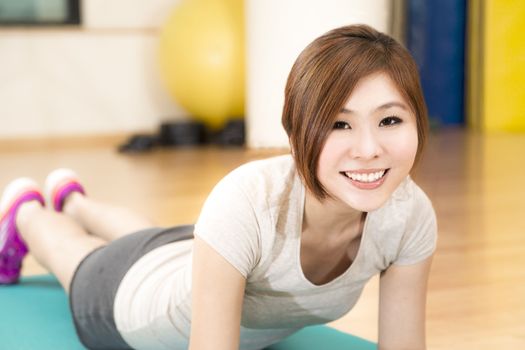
(280,243)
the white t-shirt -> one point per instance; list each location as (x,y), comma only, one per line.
(253,218)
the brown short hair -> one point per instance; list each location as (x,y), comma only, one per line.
(322,79)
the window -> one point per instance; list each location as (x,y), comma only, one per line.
(39,12)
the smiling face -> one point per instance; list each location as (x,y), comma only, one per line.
(371,147)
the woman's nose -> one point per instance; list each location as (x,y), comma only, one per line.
(366,145)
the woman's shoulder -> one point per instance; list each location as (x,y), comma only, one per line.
(405,228)
(409,191)
(263,173)
(408,202)
(266,165)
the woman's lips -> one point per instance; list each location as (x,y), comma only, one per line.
(368,179)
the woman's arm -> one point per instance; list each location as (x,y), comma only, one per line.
(402,302)
(217,296)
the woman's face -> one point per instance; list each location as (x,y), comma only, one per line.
(372,146)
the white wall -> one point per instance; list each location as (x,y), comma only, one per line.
(277,31)
(104,78)
(126,13)
(101,78)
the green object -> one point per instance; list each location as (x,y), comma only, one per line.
(323,338)
(34,314)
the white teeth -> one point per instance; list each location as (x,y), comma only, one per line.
(370,177)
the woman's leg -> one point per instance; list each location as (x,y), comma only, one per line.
(56,241)
(65,193)
(103,220)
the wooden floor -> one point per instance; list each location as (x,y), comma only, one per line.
(477,289)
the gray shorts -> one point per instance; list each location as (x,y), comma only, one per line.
(98,276)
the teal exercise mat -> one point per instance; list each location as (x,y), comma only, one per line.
(34,314)
(323,338)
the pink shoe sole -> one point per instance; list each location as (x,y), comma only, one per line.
(12,247)
(60,183)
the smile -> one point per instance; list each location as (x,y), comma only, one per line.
(365,177)
(366,180)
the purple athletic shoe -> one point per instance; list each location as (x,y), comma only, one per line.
(12,247)
(60,183)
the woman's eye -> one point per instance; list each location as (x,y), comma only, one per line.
(389,121)
(341,125)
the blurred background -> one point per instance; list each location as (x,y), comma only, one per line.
(88,67)
(78,78)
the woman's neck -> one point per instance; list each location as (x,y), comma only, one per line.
(329,216)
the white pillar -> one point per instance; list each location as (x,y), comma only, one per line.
(277,31)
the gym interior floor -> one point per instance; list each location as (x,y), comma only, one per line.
(477,285)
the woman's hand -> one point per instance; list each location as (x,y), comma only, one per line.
(402,304)
(217,296)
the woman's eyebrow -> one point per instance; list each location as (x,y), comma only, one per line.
(392,104)
(382,107)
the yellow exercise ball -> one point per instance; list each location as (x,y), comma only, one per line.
(202,59)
